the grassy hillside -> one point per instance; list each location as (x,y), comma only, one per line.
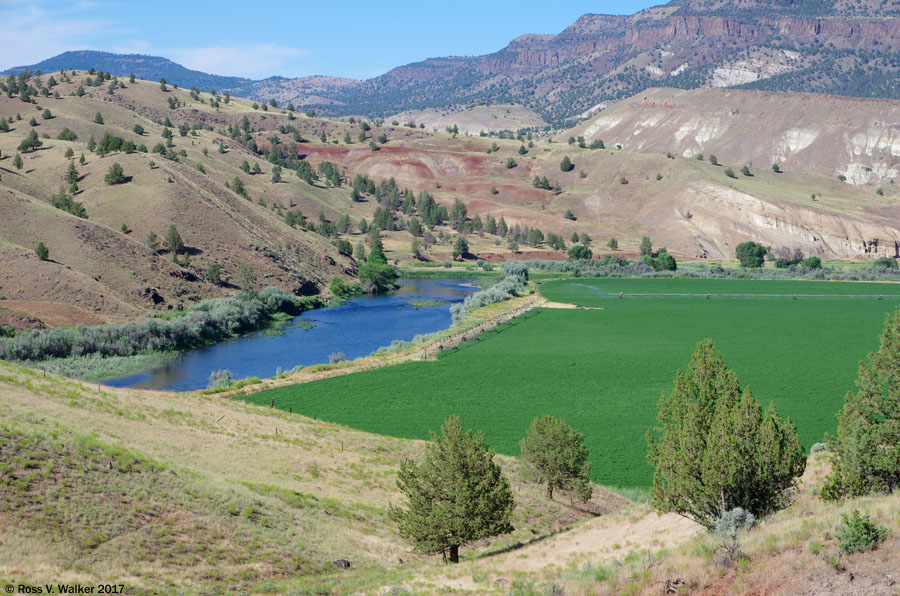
(183,494)
(103,269)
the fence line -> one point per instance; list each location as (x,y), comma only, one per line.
(453,340)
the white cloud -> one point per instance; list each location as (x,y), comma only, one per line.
(247,60)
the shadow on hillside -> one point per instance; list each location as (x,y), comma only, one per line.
(522,543)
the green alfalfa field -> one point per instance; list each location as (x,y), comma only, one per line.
(602,369)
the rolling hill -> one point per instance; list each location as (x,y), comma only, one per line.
(249,183)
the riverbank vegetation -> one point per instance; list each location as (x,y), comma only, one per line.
(107,351)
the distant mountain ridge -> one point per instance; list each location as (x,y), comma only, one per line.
(151,68)
(840,47)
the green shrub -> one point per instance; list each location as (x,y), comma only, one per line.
(858,533)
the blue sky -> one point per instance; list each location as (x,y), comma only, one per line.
(351,38)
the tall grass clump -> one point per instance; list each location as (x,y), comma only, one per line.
(205,323)
(509,285)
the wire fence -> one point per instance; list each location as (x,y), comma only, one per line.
(452,341)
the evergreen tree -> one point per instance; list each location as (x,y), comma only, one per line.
(246,277)
(173,241)
(42,252)
(276,173)
(566,165)
(490,225)
(98,118)
(455,496)
(866,451)
(555,455)
(214,274)
(460,247)
(17,161)
(714,450)
(115,175)
(71,173)
(502,229)
(646,246)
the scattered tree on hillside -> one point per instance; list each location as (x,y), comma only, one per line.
(42,252)
(460,247)
(566,164)
(714,449)
(246,278)
(152,241)
(714,160)
(214,274)
(555,456)
(162,85)
(646,247)
(866,450)
(776,168)
(98,118)
(71,173)
(17,161)
(30,142)
(115,175)
(745,171)
(570,216)
(455,496)
(510,163)
(173,242)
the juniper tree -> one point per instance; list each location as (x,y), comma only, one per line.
(42,252)
(115,175)
(173,241)
(460,247)
(246,277)
(17,161)
(866,450)
(71,173)
(455,496)
(646,246)
(566,165)
(714,449)
(555,455)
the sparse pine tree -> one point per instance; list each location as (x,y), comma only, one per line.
(173,241)
(455,496)
(115,175)
(214,274)
(555,456)
(246,277)
(42,252)
(646,247)
(566,164)
(71,173)
(17,161)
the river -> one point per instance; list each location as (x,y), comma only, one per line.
(357,328)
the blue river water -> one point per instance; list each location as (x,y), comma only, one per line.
(357,328)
